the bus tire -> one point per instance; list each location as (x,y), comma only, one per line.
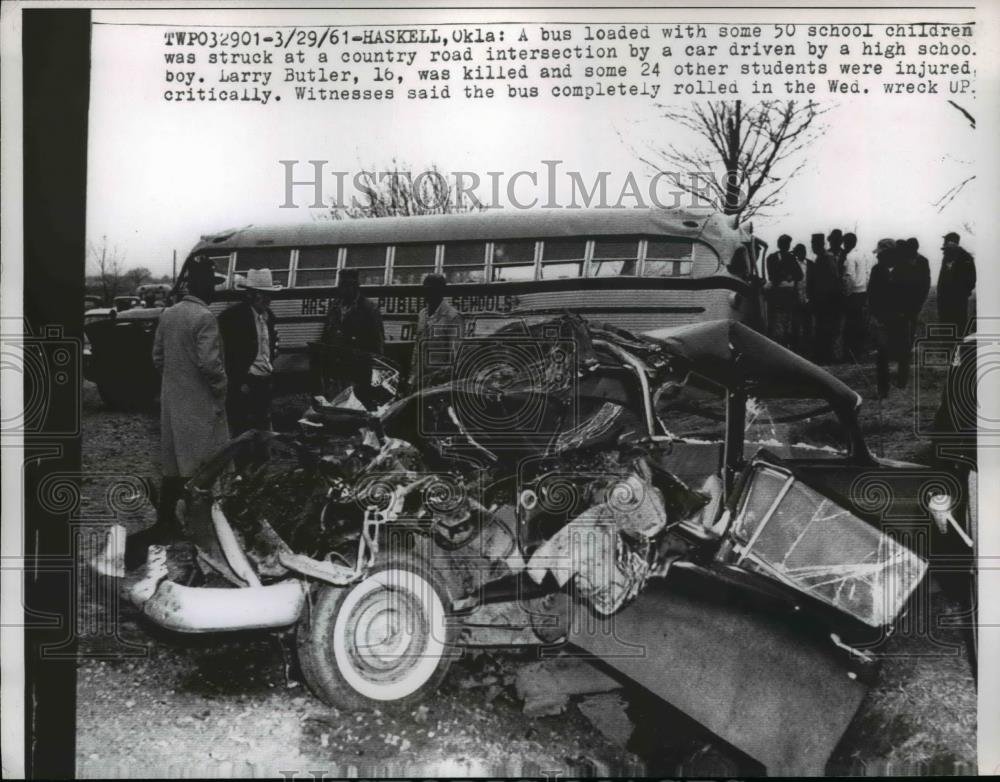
(382,643)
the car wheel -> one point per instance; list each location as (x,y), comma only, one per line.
(381,643)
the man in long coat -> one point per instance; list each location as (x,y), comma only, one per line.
(956,281)
(187,351)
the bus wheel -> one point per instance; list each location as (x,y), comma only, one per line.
(381,643)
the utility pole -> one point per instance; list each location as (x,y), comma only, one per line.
(174,280)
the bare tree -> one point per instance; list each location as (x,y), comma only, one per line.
(133,278)
(107,262)
(397,192)
(747,153)
(952,193)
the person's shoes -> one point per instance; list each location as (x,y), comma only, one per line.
(137,545)
(111,560)
(167,528)
(883,391)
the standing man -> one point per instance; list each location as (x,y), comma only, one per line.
(187,352)
(825,298)
(912,282)
(439,331)
(886,308)
(955,284)
(783,276)
(803,313)
(251,343)
(857,268)
(353,333)
(836,242)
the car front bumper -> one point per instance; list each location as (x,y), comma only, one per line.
(189,609)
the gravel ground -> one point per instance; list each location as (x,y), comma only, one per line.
(154,703)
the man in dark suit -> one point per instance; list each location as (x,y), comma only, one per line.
(250,344)
(826,298)
(352,337)
(888,311)
(956,281)
(784,275)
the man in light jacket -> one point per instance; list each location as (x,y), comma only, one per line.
(439,331)
(187,351)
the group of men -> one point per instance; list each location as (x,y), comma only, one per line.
(217,373)
(841,295)
(353,337)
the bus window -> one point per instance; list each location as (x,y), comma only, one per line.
(412,263)
(369,260)
(668,258)
(465,261)
(563,258)
(277,259)
(615,258)
(317,266)
(514,260)
(221,265)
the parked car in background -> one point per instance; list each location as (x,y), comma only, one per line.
(91,316)
(120,362)
(696,506)
(124,303)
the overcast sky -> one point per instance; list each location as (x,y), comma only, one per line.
(162,174)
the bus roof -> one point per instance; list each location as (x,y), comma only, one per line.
(713,228)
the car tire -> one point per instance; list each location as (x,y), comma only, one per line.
(345,654)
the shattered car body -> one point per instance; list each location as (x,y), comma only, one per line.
(635,496)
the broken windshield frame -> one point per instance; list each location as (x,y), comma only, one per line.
(796,429)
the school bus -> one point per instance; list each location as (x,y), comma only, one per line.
(638,269)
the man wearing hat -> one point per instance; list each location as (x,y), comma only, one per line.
(956,281)
(250,343)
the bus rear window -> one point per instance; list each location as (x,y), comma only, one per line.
(465,261)
(317,266)
(563,258)
(615,258)
(668,258)
(277,259)
(369,260)
(513,260)
(412,263)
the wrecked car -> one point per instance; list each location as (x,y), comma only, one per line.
(695,506)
